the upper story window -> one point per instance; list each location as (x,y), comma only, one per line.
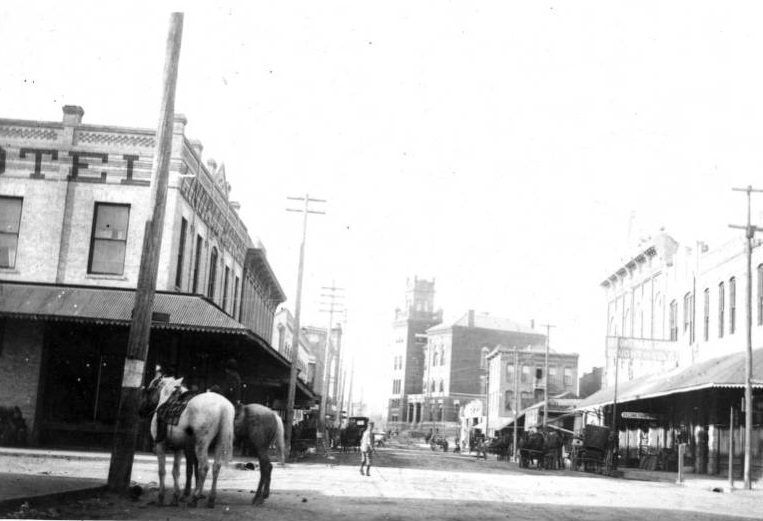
(760,294)
(197,263)
(525,378)
(732,305)
(568,377)
(10,220)
(442,356)
(108,242)
(181,253)
(706,319)
(508,400)
(721,308)
(552,376)
(510,373)
(689,316)
(236,309)
(212,273)
(673,320)
(226,282)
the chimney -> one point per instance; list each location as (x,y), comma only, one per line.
(73,115)
(470,320)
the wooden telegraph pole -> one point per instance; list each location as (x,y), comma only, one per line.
(126,431)
(297,313)
(749,234)
(545,376)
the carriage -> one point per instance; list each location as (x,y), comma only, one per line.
(349,437)
(591,450)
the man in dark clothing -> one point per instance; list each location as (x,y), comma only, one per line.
(230,387)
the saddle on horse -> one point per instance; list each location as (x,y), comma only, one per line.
(169,412)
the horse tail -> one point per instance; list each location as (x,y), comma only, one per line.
(225,433)
(279,437)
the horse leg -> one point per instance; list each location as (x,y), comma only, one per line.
(215,473)
(175,479)
(190,470)
(259,496)
(162,458)
(202,462)
(268,468)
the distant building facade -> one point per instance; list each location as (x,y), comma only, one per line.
(455,363)
(517,380)
(408,338)
(590,382)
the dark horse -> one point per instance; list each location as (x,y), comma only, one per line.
(258,427)
(552,450)
(531,447)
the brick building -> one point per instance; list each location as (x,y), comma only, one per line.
(408,330)
(73,202)
(455,363)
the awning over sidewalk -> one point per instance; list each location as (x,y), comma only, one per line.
(725,372)
(113,306)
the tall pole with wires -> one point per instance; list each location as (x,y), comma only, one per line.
(332,307)
(749,235)
(297,311)
(126,429)
(545,375)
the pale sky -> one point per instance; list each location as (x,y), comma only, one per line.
(503,148)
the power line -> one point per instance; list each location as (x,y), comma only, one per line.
(749,235)
(297,310)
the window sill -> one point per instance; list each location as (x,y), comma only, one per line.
(95,276)
(12,271)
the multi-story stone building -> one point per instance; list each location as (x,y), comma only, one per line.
(455,363)
(517,380)
(408,334)
(671,306)
(74,199)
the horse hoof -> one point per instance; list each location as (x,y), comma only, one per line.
(175,502)
(257,501)
(210,503)
(194,502)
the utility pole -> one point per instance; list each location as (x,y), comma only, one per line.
(749,235)
(297,310)
(516,403)
(332,308)
(545,375)
(126,430)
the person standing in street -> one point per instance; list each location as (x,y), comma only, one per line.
(367,449)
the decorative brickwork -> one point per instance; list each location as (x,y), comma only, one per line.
(111,139)
(29,133)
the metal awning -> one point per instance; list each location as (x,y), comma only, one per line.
(113,306)
(726,372)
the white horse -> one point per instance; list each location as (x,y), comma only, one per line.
(207,421)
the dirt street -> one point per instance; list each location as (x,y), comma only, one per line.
(405,484)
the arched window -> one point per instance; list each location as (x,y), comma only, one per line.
(483,358)
(434,357)
(442,386)
(433,386)
(212,273)
(442,355)
(673,320)
(706,316)
(760,294)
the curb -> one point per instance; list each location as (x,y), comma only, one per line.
(12,504)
